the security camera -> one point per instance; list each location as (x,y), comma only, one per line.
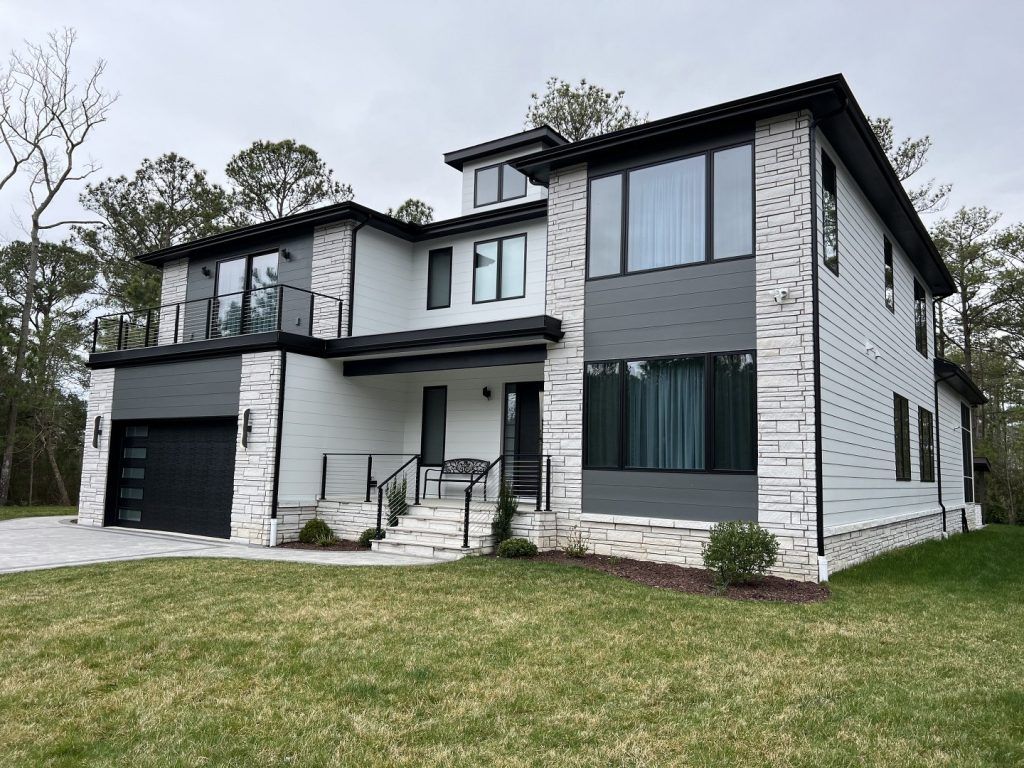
(779,295)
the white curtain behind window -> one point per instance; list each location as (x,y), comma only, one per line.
(666,214)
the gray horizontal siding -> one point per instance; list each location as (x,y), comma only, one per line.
(701,308)
(671,495)
(186,390)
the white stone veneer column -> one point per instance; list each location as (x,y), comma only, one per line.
(93,492)
(254,464)
(563,369)
(786,478)
(332,276)
(173,286)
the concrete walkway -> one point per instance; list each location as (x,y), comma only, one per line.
(32,543)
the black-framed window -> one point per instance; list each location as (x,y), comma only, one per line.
(439,278)
(499,269)
(497,184)
(920,319)
(433,426)
(245,294)
(829,214)
(688,413)
(968,452)
(901,431)
(890,288)
(926,444)
(674,213)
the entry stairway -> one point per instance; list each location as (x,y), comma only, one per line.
(434,529)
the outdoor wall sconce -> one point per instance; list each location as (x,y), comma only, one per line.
(286,254)
(487,393)
(97,430)
(206,271)
(246,426)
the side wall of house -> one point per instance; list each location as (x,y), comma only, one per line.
(868,353)
(96,459)
(951,462)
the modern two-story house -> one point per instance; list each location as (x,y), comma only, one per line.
(726,314)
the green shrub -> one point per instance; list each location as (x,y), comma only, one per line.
(370,534)
(576,545)
(517,548)
(507,507)
(738,551)
(396,493)
(316,531)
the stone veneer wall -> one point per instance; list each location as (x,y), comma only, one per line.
(563,369)
(93,492)
(173,286)
(332,276)
(786,486)
(848,545)
(252,503)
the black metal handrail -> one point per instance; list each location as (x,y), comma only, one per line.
(469,498)
(391,478)
(370,482)
(251,311)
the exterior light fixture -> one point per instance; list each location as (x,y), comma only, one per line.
(487,393)
(206,271)
(246,426)
(97,430)
(286,254)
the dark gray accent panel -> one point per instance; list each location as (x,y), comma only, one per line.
(700,308)
(185,390)
(297,271)
(672,495)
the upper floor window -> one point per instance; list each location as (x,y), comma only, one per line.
(890,290)
(499,269)
(439,278)
(968,453)
(498,183)
(920,319)
(657,216)
(829,214)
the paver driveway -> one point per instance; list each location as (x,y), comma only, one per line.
(30,543)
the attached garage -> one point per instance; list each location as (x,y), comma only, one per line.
(173,476)
(172,447)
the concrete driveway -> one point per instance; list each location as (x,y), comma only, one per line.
(32,543)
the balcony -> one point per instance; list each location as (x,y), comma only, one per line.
(276,308)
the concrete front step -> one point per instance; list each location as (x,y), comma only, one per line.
(440,538)
(436,551)
(443,525)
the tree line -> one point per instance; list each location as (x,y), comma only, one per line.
(48,290)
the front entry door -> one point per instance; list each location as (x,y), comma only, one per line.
(522,438)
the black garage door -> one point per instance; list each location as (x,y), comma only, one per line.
(173,476)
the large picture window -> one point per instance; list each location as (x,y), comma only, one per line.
(693,413)
(499,269)
(829,214)
(671,214)
(926,444)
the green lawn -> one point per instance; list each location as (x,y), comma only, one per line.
(9,513)
(917,660)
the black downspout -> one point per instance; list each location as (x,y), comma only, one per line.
(819,502)
(277,438)
(352,276)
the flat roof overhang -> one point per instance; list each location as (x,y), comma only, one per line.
(947,372)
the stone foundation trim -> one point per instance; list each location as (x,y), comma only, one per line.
(878,522)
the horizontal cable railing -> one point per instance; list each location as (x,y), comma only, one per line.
(398,491)
(274,308)
(356,476)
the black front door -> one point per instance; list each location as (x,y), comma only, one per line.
(173,476)
(522,438)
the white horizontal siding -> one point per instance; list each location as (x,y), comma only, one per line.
(858,445)
(951,447)
(533,191)
(381,295)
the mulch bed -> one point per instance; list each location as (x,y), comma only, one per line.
(341,545)
(696,581)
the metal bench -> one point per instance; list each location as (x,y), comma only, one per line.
(455,471)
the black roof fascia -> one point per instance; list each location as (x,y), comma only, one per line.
(544,135)
(539,326)
(952,374)
(843,123)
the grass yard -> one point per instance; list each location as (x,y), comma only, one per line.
(9,513)
(917,660)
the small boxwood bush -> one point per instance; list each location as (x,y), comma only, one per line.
(370,534)
(517,548)
(316,531)
(739,551)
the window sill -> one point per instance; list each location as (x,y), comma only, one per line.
(704,263)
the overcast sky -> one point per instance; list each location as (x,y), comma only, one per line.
(383,90)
